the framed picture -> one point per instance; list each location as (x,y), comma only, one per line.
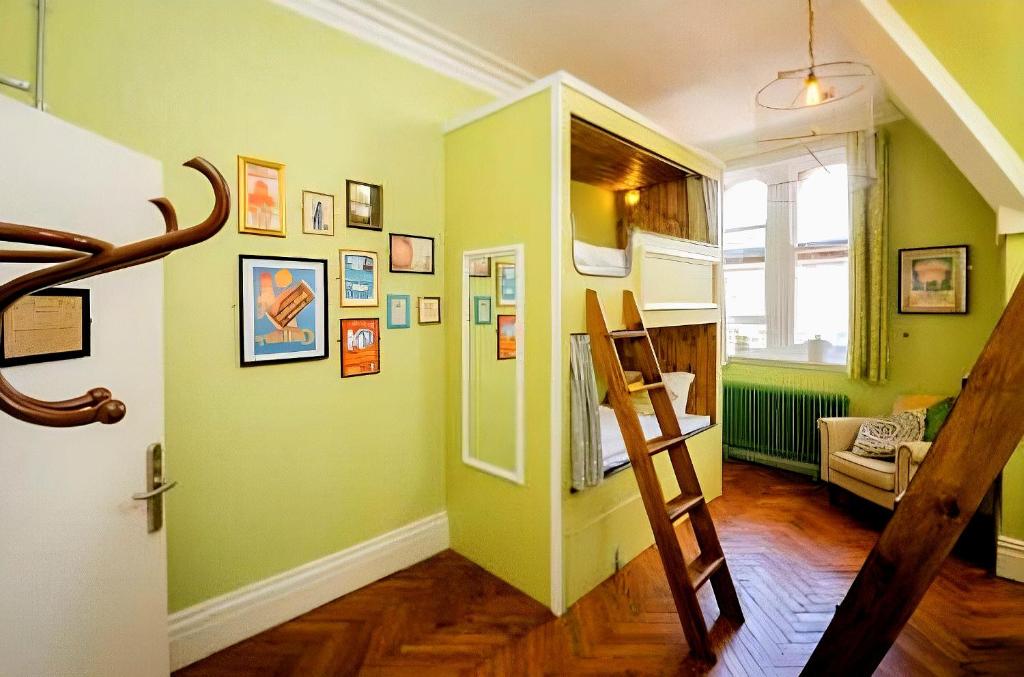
(282,308)
(480,267)
(261,193)
(359,280)
(506,274)
(933,280)
(506,337)
(482,310)
(365,205)
(412,254)
(360,346)
(430,310)
(398,311)
(46,326)
(317,213)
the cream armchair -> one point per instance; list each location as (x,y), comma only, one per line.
(879,481)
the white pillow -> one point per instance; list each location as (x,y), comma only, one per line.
(678,382)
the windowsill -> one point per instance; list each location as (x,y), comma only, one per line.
(787,364)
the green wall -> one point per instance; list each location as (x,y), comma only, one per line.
(980,44)
(278,465)
(594,210)
(930,204)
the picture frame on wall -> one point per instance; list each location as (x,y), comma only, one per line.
(482,310)
(46,326)
(282,309)
(429,309)
(360,346)
(505,275)
(933,280)
(364,205)
(506,337)
(411,254)
(399,313)
(480,267)
(261,197)
(359,278)
(317,213)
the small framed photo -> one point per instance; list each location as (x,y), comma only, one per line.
(360,346)
(429,310)
(359,279)
(398,311)
(365,205)
(934,280)
(282,309)
(46,326)
(482,310)
(480,267)
(506,281)
(317,213)
(261,197)
(412,254)
(506,337)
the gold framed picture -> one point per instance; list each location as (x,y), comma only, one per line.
(359,278)
(317,213)
(261,197)
(933,280)
(365,205)
(429,310)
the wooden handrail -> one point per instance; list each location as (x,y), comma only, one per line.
(77,257)
(981,433)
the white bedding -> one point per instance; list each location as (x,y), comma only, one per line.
(594,260)
(613,447)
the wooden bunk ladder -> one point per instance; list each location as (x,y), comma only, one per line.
(684,579)
(981,433)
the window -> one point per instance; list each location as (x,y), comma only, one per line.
(787,260)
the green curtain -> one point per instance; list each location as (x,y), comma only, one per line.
(867,159)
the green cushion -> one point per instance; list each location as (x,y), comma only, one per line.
(935,417)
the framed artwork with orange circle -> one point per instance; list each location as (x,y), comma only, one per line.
(412,254)
(261,197)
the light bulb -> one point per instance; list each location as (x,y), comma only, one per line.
(632,198)
(813,95)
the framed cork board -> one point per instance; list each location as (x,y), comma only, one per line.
(46,326)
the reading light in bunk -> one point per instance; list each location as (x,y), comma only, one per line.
(632,198)
(815,85)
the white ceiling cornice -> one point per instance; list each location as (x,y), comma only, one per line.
(383,24)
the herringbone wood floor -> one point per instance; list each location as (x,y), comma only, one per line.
(792,556)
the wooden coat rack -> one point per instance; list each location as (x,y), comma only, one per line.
(76,257)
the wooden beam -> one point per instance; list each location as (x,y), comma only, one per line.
(981,434)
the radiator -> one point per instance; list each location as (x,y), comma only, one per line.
(777,426)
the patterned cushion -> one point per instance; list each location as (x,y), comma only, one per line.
(879,437)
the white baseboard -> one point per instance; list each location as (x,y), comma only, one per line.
(208,627)
(1010,558)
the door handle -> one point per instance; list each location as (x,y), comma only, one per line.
(156,487)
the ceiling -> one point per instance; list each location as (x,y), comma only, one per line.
(692,66)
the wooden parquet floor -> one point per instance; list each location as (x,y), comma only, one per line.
(791,553)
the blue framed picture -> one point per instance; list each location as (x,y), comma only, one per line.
(482,310)
(399,314)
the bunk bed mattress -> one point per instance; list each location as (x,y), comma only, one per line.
(613,447)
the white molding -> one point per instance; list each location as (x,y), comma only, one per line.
(1010,558)
(932,97)
(557,377)
(397,30)
(208,627)
(518,251)
(1009,221)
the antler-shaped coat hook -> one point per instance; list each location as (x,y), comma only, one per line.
(77,257)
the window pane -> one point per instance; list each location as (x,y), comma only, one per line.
(823,306)
(747,239)
(745,304)
(745,204)
(822,205)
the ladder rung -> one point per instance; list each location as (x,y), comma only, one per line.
(637,387)
(680,505)
(660,444)
(628,333)
(703,568)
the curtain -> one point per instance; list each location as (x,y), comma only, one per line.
(779,266)
(585,422)
(867,162)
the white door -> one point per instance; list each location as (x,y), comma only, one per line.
(83,586)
